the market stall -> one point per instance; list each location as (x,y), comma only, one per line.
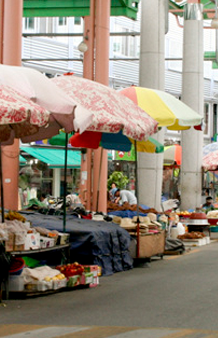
(42,258)
(91,242)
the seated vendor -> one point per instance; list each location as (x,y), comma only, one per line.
(208,205)
(125,200)
(125,196)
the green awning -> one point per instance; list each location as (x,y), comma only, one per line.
(22,160)
(55,157)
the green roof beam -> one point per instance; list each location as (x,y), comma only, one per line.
(209,56)
(128,8)
(76,8)
(55,8)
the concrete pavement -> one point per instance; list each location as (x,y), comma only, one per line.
(33,331)
(175,297)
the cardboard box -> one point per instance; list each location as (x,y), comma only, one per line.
(92,268)
(58,284)
(87,278)
(63,238)
(46,242)
(44,286)
(9,244)
(74,281)
(195,242)
(95,282)
(19,247)
(39,286)
(32,241)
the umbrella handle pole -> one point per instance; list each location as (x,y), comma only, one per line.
(65,183)
(138,239)
(1,188)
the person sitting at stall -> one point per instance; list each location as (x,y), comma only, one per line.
(124,196)
(120,204)
(111,195)
(208,205)
(128,201)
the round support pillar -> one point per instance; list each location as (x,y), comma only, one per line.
(102,38)
(193,96)
(11,55)
(152,75)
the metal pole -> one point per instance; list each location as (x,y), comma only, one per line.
(1,183)
(136,193)
(65,183)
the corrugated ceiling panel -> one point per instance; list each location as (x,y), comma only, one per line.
(45,48)
(126,71)
(122,73)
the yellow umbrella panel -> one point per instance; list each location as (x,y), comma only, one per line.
(166,109)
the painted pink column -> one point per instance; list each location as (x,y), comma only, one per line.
(12,43)
(88,73)
(1,28)
(102,36)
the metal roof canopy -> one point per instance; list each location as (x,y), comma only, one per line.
(64,8)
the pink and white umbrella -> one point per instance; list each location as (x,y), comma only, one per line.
(210,161)
(110,110)
(35,86)
(19,116)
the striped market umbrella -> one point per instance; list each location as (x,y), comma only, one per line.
(173,155)
(167,110)
(93,140)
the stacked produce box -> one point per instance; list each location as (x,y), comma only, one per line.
(45,278)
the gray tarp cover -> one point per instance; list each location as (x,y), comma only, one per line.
(91,242)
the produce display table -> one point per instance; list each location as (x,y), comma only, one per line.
(199,227)
(64,250)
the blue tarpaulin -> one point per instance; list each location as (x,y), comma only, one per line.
(91,242)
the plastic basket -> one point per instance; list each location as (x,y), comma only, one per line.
(17,266)
(214,228)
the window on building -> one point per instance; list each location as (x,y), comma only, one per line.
(125,41)
(77,20)
(62,21)
(215,119)
(206,118)
(29,23)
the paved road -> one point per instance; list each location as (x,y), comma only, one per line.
(174,297)
(21,331)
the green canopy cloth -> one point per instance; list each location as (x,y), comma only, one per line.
(22,160)
(55,157)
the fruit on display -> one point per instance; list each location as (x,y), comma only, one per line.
(184,213)
(12,215)
(71,269)
(60,276)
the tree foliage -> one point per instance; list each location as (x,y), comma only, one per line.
(119,179)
